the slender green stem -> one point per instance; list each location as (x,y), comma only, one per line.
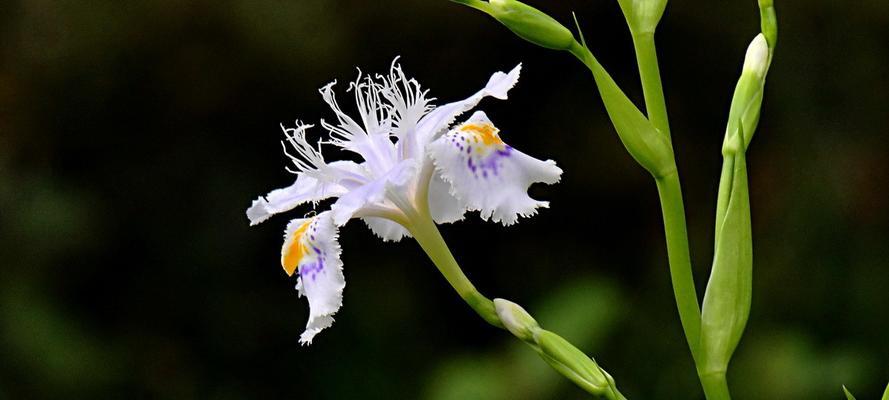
(673,208)
(676,233)
(715,386)
(427,235)
(650,75)
(564,357)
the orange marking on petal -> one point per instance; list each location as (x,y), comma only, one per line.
(296,250)
(486,132)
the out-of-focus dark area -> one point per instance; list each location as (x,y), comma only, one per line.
(134,134)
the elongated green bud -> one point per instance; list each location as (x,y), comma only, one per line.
(531,24)
(571,362)
(556,351)
(516,320)
(643,15)
(886,393)
(726,304)
(747,100)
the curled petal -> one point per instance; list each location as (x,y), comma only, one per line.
(439,119)
(311,249)
(487,174)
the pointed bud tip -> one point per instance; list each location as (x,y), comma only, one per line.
(516,320)
(757,58)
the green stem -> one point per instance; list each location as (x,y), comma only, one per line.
(427,235)
(676,233)
(556,351)
(715,386)
(650,75)
(672,205)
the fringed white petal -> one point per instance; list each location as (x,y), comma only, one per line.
(386,229)
(344,175)
(487,174)
(311,249)
(372,138)
(305,189)
(439,119)
(444,206)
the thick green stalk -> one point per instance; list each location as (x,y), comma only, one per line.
(670,192)
(650,75)
(715,386)
(673,209)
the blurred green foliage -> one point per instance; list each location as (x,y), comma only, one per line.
(134,134)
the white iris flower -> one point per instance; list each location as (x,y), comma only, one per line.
(415,166)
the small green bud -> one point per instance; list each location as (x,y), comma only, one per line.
(643,15)
(571,362)
(531,24)
(516,320)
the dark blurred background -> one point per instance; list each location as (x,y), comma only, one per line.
(134,134)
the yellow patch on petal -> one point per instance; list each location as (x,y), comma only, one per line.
(484,131)
(296,250)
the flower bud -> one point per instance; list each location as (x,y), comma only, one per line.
(747,99)
(726,305)
(516,320)
(757,59)
(531,24)
(571,362)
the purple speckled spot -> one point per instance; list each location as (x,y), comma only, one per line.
(489,165)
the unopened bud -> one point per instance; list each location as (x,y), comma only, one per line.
(571,362)
(757,58)
(531,24)
(516,320)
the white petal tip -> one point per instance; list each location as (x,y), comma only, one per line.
(500,83)
(257,213)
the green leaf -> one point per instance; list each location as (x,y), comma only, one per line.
(849,396)
(886,393)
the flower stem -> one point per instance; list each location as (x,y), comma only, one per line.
(427,235)
(561,355)
(673,210)
(650,75)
